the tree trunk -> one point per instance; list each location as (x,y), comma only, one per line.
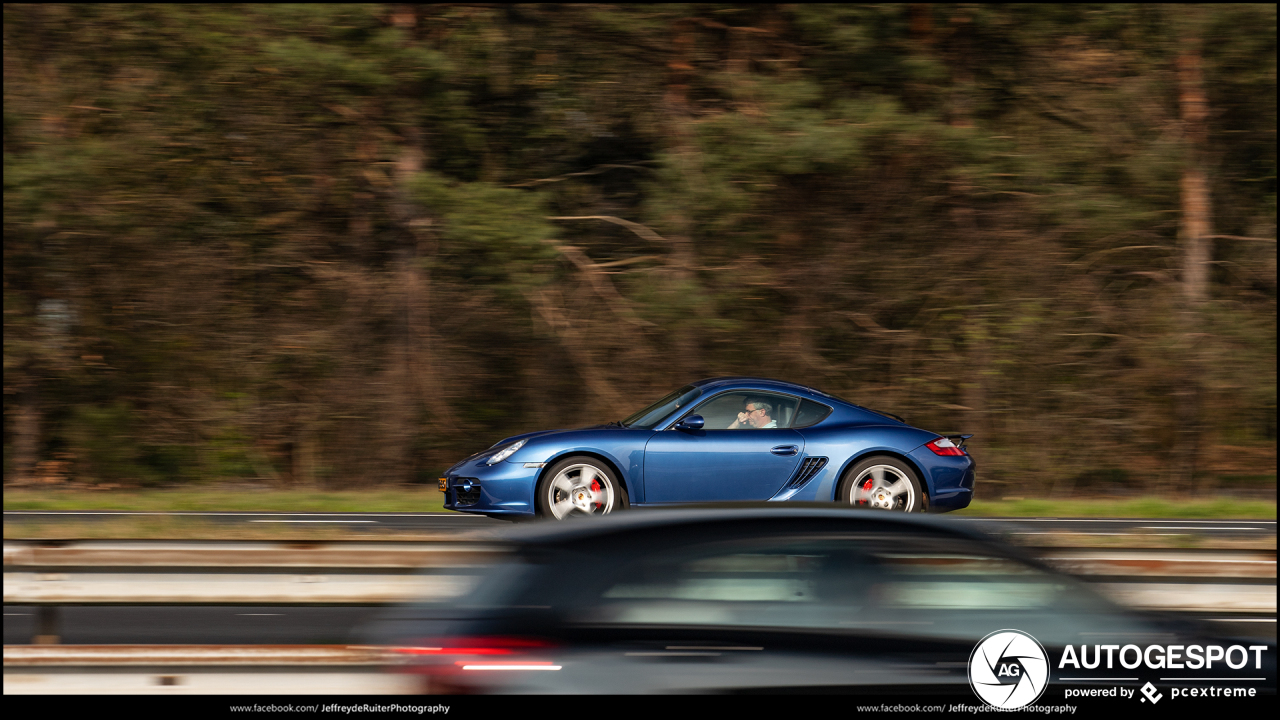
(26,430)
(685,352)
(1197,220)
(975,392)
(1195,231)
(422,371)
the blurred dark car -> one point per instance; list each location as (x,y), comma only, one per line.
(758,600)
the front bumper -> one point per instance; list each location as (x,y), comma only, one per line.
(504,488)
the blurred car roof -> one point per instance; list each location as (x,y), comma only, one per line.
(754,515)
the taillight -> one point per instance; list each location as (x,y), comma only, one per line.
(445,663)
(944,446)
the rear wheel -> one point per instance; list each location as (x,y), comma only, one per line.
(882,483)
(579,486)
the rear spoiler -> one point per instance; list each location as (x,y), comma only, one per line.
(959,440)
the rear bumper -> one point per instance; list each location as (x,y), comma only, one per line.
(950,479)
(951,501)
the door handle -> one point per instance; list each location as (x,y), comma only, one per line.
(785,450)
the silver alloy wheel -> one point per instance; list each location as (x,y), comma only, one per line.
(580,489)
(883,487)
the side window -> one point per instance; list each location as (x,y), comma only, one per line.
(779,583)
(962,590)
(771,411)
(721,411)
(810,414)
(954,579)
(855,584)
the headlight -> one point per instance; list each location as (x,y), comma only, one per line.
(505,453)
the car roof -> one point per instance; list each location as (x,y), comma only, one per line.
(641,520)
(715,384)
(760,383)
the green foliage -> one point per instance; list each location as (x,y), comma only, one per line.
(492,236)
(105,441)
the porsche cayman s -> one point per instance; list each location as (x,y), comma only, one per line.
(731,439)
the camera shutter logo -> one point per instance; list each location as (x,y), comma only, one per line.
(1008,669)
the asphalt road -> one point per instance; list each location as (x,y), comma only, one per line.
(452,522)
(194,625)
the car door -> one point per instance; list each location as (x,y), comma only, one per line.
(721,464)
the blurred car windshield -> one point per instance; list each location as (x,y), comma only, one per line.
(669,403)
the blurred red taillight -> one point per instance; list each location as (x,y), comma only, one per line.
(444,663)
(943,446)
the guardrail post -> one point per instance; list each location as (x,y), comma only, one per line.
(47,625)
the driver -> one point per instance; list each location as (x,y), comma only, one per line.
(757,415)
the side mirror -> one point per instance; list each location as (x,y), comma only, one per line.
(693,422)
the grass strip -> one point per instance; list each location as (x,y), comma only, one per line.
(228,500)
(1140,507)
(431,500)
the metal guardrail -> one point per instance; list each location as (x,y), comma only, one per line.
(50,575)
(54,589)
(370,573)
(202,670)
(151,573)
(138,588)
(1251,564)
(1177,580)
(199,655)
(414,555)
(187,554)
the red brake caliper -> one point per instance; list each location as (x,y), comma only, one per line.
(866,487)
(595,488)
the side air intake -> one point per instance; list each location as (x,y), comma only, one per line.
(467,490)
(806,471)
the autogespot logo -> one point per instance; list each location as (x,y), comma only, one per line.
(1008,669)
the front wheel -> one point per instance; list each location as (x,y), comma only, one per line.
(579,486)
(882,483)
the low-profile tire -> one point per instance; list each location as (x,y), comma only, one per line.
(882,483)
(579,486)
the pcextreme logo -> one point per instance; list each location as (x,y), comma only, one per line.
(1008,669)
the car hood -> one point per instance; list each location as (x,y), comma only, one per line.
(546,433)
(562,433)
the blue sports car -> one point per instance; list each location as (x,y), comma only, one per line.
(719,440)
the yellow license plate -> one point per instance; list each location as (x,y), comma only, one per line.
(444,484)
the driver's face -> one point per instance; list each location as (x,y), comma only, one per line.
(756,415)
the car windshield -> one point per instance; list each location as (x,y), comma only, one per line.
(650,416)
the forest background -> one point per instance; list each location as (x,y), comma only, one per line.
(338,246)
